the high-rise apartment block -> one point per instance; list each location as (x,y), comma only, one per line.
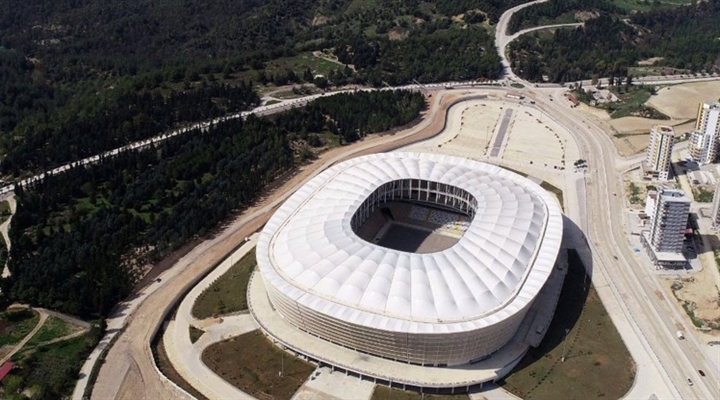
(664,241)
(659,152)
(704,138)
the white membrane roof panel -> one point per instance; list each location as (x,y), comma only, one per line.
(309,251)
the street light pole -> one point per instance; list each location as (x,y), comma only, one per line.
(564,345)
(282,364)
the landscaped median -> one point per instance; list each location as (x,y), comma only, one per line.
(228,294)
(256,366)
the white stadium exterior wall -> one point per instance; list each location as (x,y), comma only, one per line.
(445,308)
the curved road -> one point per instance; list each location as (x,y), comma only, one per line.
(132,373)
(634,285)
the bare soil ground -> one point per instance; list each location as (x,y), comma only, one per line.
(697,294)
(681,101)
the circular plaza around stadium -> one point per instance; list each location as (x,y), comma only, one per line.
(417,258)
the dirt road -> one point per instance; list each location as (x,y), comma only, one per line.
(4,227)
(130,372)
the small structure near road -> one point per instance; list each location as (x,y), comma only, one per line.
(5,369)
(514,94)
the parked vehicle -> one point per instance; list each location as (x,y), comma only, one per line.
(679,335)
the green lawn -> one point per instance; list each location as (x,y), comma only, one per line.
(632,103)
(228,293)
(645,5)
(250,362)
(300,62)
(15,325)
(597,363)
(53,328)
(195,334)
(5,208)
(386,393)
(703,196)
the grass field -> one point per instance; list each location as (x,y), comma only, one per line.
(595,355)
(632,103)
(645,5)
(298,64)
(4,208)
(15,325)
(195,334)
(229,293)
(53,328)
(386,393)
(251,363)
(703,196)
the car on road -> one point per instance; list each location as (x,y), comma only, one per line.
(689,381)
(701,372)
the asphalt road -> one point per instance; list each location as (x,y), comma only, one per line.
(655,318)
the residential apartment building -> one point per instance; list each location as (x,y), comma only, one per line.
(658,159)
(664,240)
(704,138)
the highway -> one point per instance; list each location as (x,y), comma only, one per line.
(654,316)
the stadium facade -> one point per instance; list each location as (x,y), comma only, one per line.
(453,304)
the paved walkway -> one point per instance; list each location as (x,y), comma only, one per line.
(185,356)
(324,384)
(4,228)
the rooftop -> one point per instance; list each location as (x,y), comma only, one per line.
(309,251)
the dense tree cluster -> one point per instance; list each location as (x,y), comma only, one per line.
(355,115)
(607,46)
(78,237)
(537,15)
(84,129)
(71,71)
(686,37)
(76,39)
(602,46)
(436,55)
(492,8)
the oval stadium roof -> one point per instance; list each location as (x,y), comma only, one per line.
(309,251)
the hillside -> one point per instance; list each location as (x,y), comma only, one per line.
(68,67)
(612,44)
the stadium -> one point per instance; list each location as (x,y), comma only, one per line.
(418,258)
